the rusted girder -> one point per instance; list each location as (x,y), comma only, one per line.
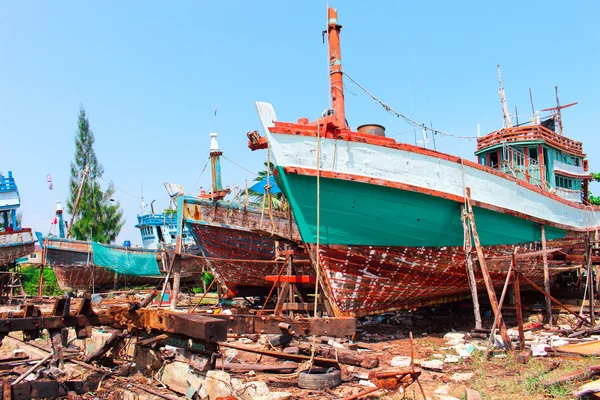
(268,324)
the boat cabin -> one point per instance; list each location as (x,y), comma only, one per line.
(161,228)
(9,203)
(540,155)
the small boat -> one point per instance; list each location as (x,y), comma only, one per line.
(388,228)
(89,266)
(242,244)
(15,242)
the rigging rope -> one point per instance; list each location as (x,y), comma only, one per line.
(404,117)
(318,228)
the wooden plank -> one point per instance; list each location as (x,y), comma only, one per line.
(469,265)
(292,278)
(584,349)
(486,275)
(519,312)
(588,388)
(320,361)
(546,276)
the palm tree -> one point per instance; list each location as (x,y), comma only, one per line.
(278,200)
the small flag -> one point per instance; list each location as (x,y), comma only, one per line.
(55,221)
(50,186)
(216,109)
(49,177)
(174,189)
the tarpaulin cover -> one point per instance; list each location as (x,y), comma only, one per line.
(260,186)
(125,261)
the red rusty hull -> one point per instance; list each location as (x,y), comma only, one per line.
(366,280)
(69,260)
(238,253)
(15,244)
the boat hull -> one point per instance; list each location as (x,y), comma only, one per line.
(241,259)
(389,222)
(15,244)
(72,263)
(243,244)
(365,280)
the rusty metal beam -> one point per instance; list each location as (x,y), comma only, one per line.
(248,324)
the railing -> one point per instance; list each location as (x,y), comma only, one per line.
(568,168)
(157,219)
(522,167)
(7,184)
(530,133)
(568,194)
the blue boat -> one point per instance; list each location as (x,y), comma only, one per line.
(15,242)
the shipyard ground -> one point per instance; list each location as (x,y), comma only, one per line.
(441,337)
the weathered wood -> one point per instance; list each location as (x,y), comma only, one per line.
(148,299)
(319,361)
(470,271)
(546,276)
(57,347)
(590,280)
(588,388)
(579,375)
(32,369)
(176,281)
(146,342)
(471,394)
(282,367)
(349,357)
(524,356)
(106,346)
(518,309)
(539,289)
(499,315)
(484,271)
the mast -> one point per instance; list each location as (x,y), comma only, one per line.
(507,121)
(557,112)
(335,69)
(217,192)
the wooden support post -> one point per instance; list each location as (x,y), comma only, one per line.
(470,272)
(486,275)
(590,279)
(499,314)
(176,281)
(518,308)
(546,276)
(57,347)
(561,305)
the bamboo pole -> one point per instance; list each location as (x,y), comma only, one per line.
(484,271)
(590,280)
(546,276)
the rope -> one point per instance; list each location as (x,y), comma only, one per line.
(404,117)
(236,164)
(318,215)
(203,169)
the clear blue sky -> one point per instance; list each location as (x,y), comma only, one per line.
(151,73)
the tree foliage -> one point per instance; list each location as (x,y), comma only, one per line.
(278,200)
(594,200)
(97,217)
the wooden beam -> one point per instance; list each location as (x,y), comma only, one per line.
(546,276)
(484,271)
(470,271)
(590,279)
(519,310)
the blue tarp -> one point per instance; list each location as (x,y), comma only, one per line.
(260,186)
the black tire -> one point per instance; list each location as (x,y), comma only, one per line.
(319,378)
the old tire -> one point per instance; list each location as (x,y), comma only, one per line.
(319,378)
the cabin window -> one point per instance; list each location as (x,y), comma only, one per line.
(173,237)
(577,162)
(533,153)
(482,160)
(33,255)
(494,160)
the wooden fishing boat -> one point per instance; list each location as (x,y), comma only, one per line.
(385,217)
(243,245)
(15,242)
(82,265)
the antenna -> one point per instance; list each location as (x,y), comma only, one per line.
(507,121)
(558,115)
(516,115)
(535,120)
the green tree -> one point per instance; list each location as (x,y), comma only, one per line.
(97,216)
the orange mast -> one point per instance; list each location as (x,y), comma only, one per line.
(335,69)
